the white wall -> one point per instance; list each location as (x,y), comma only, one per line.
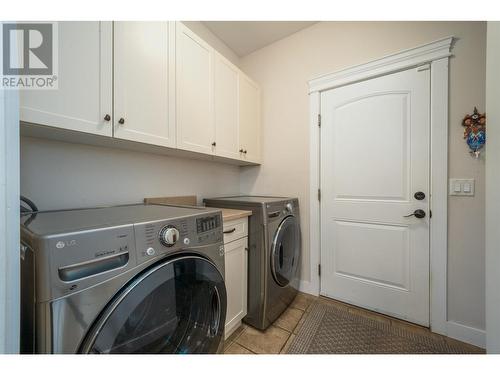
(493,189)
(283,70)
(64,175)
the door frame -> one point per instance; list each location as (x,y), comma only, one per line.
(436,56)
(9,222)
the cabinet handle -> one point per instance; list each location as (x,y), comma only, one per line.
(107,118)
(214,144)
(229,231)
(121,121)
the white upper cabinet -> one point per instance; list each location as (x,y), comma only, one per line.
(144,82)
(249,119)
(83,100)
(195,92)
(226,108)
(154,83)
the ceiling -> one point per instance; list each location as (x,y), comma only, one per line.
(244,37)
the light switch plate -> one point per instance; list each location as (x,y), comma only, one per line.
(462,187)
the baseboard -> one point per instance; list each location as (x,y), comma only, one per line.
(308,287)
(466,334)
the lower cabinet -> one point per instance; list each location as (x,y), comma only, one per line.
(236,264)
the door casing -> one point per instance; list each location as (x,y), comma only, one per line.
(9,222)
(436,55)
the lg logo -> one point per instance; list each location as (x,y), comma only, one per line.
(28,49)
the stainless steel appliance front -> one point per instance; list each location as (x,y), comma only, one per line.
(149,272)
(274,254)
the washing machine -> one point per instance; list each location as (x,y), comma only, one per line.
(124,279)
(274,254)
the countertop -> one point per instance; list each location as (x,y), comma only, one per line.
(231,214)
(190,200)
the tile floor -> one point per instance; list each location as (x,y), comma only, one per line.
(278,337)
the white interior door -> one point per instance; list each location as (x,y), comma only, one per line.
(374,158)
(144,82)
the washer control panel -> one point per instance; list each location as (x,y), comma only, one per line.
(159,238)
(169,235)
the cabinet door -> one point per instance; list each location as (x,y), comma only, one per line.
(236,283)
(143,82)
(194,81)
(249,116)
(226,108)
(84,96)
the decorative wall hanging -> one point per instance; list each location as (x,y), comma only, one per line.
(475,131)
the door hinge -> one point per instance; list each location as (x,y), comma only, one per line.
(319,269)
(319,119)
(430,214)
(319,194)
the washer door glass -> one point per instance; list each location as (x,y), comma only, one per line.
(285,251)
(178,306)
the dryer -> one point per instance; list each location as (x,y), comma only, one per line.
(125,279)
(274,243)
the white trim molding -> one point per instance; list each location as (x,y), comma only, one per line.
(314,184)
(9,222)
(436,54)
(470,335)
(389,64)
(439,196)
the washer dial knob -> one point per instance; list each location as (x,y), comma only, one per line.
(289,207)
(169,236)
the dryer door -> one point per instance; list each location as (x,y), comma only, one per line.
(177,306)
(285,251)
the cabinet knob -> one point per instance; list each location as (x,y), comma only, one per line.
(245,152)
(121,121)
(214,144)
(241,150)
(107,118)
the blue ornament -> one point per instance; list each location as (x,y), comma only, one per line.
(476,140)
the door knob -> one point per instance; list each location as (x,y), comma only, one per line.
(420,214)
(419,195)
(121,121)
(107,118)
